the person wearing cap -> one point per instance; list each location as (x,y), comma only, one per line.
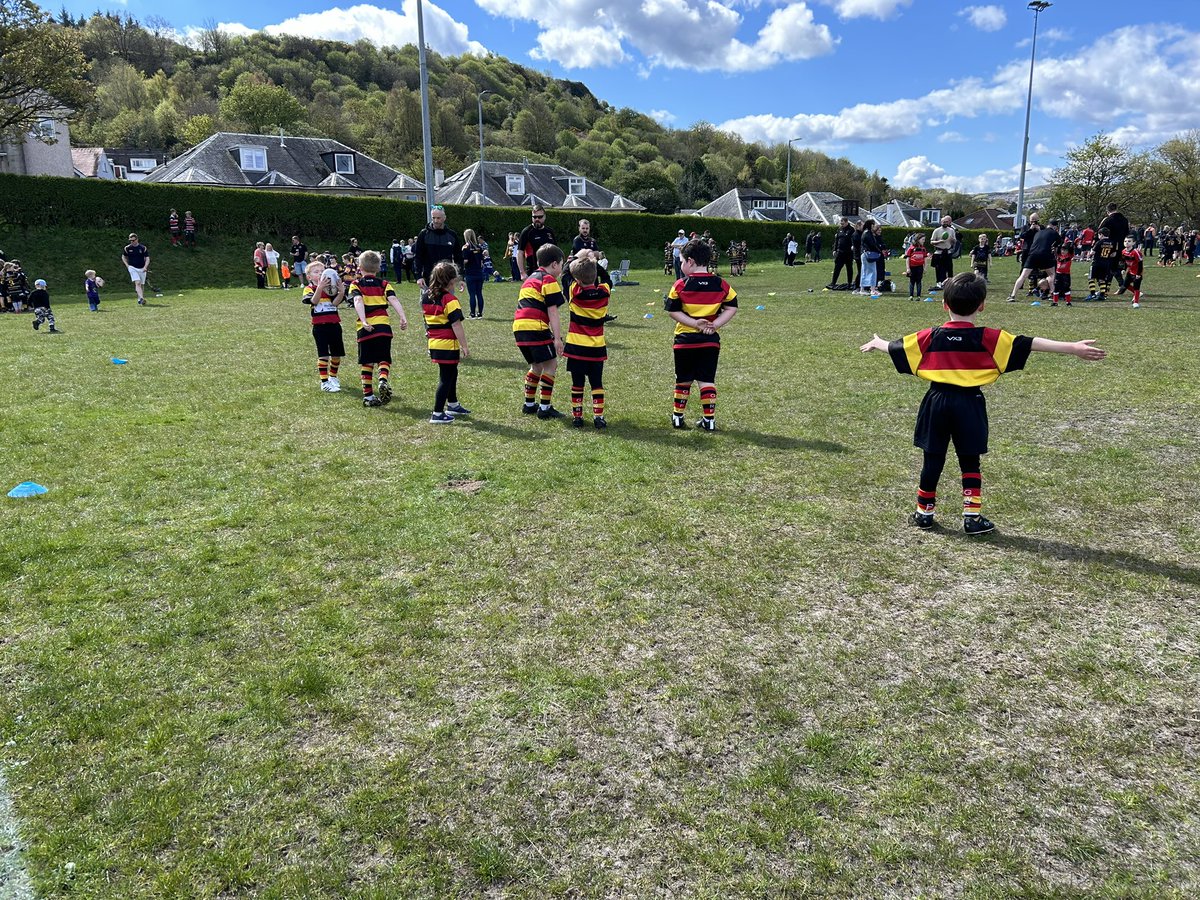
(136,257)
(39,301)
(677,245)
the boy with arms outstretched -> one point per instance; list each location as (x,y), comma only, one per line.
(538,332)
(371,296)
(958,359)
(701,304)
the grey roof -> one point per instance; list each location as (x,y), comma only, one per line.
(822,206)
(899,214)
(295,162)
(544,183)
(739,204)
(988,218)
(120,156)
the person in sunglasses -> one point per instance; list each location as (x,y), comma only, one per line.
(534,235)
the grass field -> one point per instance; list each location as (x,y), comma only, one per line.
(260,641)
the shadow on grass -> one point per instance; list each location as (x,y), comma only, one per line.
(671,437)
(1117,559)
(515,364)
(507,431)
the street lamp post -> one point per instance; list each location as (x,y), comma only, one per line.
(1038,7)
(482,184)
(787,191)
(425,137)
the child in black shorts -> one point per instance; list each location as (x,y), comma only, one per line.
(326,326)
(958,359)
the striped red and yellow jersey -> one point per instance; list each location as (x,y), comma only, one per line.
(531,323)
(960,354)
(585,335)
(440,315)
(701,297)
(375,293)
(324,311)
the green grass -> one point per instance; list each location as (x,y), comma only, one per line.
(260,641)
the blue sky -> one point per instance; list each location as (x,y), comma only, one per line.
(929,93)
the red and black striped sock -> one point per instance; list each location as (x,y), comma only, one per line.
(385,369)
(683,390)
(598,402)
(531,386)
(366,372)
(547,389)
(972,488)
(323,368)
(334,362)
(708,400)
(577,401)
(926,501)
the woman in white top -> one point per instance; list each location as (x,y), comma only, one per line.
(272,267)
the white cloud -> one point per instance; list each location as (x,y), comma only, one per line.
(1044,150)
(951,137)
(663,116)
(1049,36)
(1065,89)
(382,27)
(986,18)
(580,48)
(876,9)
(701,35)
(920,171)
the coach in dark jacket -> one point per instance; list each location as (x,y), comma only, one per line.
(843,253)
(436,243)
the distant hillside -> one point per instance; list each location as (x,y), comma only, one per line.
(153,92)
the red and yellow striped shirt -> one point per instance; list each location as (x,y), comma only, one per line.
(960,354)
(440,315)
(585,335)
(531,323)
(701,297)
(375,294)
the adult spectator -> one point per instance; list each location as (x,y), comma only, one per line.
(856,246)
(584,240)
(136,257)
(410,259)
(436,243)
(943,241)
(533,236)
(872,252)
(473,256)
(396,255)
(843,254)
(677,246)
(1039,257)
(260,265)
(299,258)
(787,241)
(1148,239)
(510,253)
(272,266)
(816,248)
(354,249)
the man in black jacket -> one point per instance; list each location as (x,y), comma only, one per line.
(1118,230)
(436,243)
(534,235)
(843,254)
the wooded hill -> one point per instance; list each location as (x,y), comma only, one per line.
(151,91)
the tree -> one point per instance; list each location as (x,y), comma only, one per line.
(1096,173)
(650,187)
(42,69)
(261,107)
(197,128)
(1175,169)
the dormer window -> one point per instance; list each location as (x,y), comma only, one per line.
(514,184)
(141,164)
(343,163)
(576,187)
(253,159)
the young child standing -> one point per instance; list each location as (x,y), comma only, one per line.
(958,359)
(981,255)
(447,340)
(1104,255)
(701,304)
(91,286)
(1133,271)
(914,266)
(371,296)
(39,302)
(16,286)
(538,332)
(1062,274)
(585,349)
(323,299)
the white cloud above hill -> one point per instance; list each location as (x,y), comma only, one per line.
(701,35)
(875,9)
(920,171)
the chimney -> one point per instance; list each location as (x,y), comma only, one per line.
(282,145)
(439,175)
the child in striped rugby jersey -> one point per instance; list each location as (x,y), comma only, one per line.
(372,296)
(958,359)
(447,340)
(323,299)
(585,348)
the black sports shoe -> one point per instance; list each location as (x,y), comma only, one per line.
(677,421)
(707,424)
(548,413)
(385,391)
(609,318)
(598,421)
(576,421)
(921,520)
(372,401)
(977,525)
(529,408)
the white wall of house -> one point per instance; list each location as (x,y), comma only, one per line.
(32,157)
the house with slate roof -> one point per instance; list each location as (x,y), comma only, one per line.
(748,203)
(132,164)
(279,162)
(827,208)
(529,184)
(989,219)
(899,214)
(92,162)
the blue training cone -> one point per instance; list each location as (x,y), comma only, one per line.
(28,489)
(117,361)
(1036,303)
(648,316)
(760,307)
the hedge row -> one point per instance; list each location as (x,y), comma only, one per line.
(32,203)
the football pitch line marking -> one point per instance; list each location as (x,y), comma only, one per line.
(14,880)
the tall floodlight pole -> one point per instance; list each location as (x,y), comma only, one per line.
(1038,7)
(425,137)
(482,185)
(787,191)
